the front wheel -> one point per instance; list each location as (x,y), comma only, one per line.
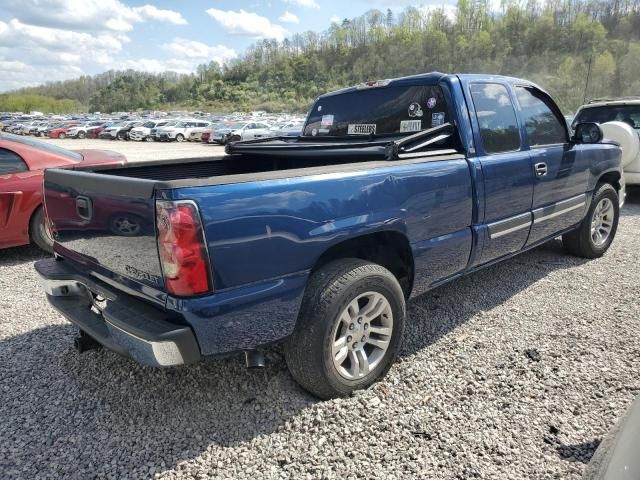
(349,330)
(62,136)
(594,235)
(179,138)
(81,135)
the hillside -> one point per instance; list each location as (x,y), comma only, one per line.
(575,49)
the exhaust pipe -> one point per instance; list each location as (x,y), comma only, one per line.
(84,343)
(254,359)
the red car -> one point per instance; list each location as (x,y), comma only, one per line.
(22,164)
(61,132)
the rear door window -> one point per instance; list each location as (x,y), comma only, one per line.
(11,162)
(388,110)
(496,117)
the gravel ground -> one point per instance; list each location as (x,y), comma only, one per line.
(515,372)
(141,151)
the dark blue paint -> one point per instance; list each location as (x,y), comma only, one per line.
(264,237)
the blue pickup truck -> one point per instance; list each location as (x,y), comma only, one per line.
(317,242)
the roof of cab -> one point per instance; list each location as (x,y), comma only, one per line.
(433,78)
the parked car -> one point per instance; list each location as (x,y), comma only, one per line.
(180,131)
(143,132)
(80,131)
(287,129)
(616,458)
(318,241)
(22,164)
(241,131)
(61,132)
(115,131)
(208,133)
(196,134)
(623,110)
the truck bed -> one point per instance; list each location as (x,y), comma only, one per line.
(246,168)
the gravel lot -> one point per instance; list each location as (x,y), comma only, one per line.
(141,151)
(515,372)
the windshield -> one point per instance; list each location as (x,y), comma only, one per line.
(379,111)
(237,125)
(181,124)
(148,125)
(46,146)
(607,113)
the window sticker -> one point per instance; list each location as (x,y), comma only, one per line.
(361,128)
(410,126)
(431,103)
(319,108)
(437,118)
(314,132)
(327,121)
(415,110)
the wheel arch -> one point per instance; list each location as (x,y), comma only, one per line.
(390,249)
(611,177)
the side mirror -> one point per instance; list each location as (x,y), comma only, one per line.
(587,132)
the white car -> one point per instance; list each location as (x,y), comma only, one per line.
(242,131)
(119,131)
(180,131)
(80,131)
(143,132)
(618,119)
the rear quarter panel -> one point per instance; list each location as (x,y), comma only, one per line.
(269,229)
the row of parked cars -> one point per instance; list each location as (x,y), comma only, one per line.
(220,130)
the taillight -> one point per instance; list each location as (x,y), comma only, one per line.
(182,248)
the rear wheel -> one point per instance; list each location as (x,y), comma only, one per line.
(38,231)
(81,135)
(62,135)
(349,330)
(598,229)
(179,138)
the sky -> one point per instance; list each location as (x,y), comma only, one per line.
(50,40)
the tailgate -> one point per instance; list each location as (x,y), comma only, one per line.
(106,223)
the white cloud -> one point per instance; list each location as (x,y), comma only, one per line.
(289,17)
(181,47)
(88,15)
(247,24)
(15,74)
(335,19)
(304,3)
(150,12)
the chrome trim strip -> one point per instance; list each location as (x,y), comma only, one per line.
(557,209)
(509,230)
(558,213)
(513,224)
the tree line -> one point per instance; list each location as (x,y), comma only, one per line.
(575,49)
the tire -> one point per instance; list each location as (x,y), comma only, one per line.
(148,139)
(588,240)
(234,138)
(62,136)
(324,317)
(179,138)
(81,135)
(38,231)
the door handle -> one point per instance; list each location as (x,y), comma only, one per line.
(541,169)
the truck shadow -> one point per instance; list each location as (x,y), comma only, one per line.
(101,407)
(10,257)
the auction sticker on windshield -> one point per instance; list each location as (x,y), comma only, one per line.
(410,126)
(361,128)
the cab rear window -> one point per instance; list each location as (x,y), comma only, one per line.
(389,110)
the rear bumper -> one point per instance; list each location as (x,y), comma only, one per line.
(121,323)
